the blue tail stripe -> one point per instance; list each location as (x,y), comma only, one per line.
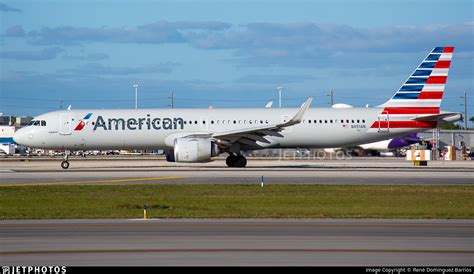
(414,80)
(406,96)
(421,72)
(433,57)
(428,65)
(411,88)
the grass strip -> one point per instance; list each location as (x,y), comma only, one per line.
(237,201)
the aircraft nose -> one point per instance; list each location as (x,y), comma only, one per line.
(22,136)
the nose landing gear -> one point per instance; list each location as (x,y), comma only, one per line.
(65,163)
(236,161)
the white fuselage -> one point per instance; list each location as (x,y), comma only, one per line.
(158,128)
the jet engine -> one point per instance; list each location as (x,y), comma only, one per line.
(193,150)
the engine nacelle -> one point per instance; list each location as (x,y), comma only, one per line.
(194,150)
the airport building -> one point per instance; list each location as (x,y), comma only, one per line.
(10,120)
(445,137)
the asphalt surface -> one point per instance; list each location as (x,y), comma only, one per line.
(370,171)
(238,242)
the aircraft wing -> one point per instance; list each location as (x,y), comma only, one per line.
(251,135)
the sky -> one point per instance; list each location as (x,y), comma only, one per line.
(89,54)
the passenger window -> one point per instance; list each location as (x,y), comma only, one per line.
(325,121)
(309,121)
(331,121)
(363,121)
(358,121)
(352,121)
(320,121)
(212,122)
(195,122)
(235,122)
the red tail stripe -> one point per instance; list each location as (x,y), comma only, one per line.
(411,110)
(431,95)
(436,80)
(442,64)
(403,124)
(448,49)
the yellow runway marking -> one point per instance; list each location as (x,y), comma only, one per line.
(98,181)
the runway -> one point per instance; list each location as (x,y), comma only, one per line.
(238,242)
(371,171)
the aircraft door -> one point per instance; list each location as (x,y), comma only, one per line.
(384,122)
(65,124)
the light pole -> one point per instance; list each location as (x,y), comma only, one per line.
(465,109)
(136,95)
(279,96)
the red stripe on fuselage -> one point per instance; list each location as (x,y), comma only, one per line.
(411,110)
(403,124)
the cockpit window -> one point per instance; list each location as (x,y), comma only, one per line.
(37,123)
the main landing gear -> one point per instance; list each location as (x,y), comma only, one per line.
(65,163)
(236,161)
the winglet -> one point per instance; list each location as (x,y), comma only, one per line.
(299,115)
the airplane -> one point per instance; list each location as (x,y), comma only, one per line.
(197,135)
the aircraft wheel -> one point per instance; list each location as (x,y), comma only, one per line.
(241,161)
(65,164)
(230,160)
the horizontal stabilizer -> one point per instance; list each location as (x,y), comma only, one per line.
(442,117)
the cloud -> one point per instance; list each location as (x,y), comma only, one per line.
(155,33)
(32,55)
(15,31)
(6,8)
(272,78)
(99,69)
(88,57)
(315,45)
(303,44)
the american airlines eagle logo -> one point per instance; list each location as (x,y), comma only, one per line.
(82,123)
